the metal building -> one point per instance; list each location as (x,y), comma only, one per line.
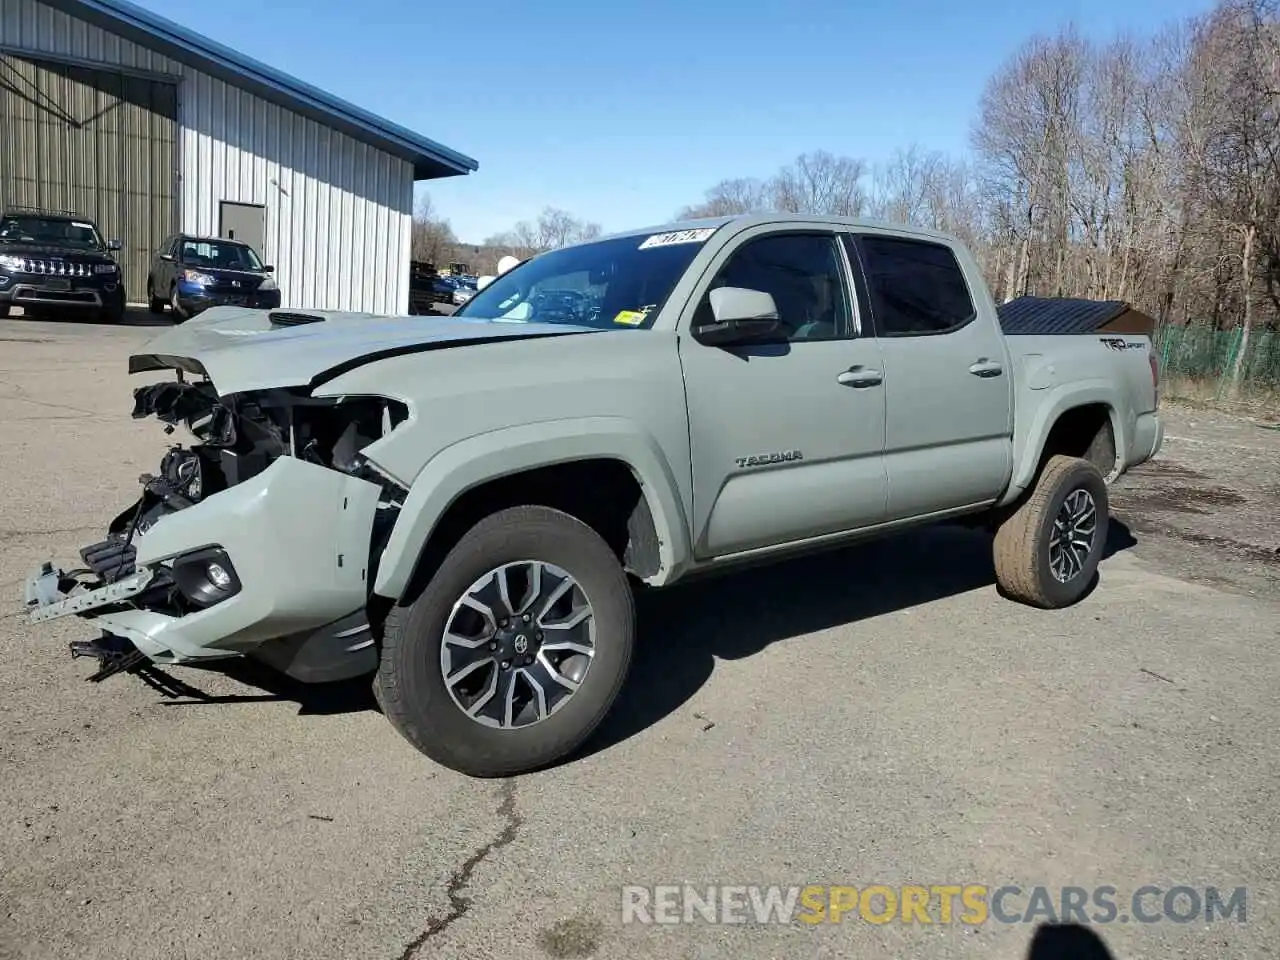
(112,111)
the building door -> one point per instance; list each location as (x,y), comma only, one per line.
(246,222)
(97,143)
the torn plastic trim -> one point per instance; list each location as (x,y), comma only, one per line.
(146,362)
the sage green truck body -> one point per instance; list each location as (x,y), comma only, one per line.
(720,454)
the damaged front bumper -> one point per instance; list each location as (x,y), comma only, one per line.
(276,567)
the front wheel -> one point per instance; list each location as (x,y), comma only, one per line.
(112,311)
(154,304)
(511,656)
(1048,550)
(175,307)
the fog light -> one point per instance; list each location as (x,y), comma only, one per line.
(206,576)
(217,576)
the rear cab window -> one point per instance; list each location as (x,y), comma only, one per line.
(914,287)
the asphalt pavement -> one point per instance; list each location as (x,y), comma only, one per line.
(874,716)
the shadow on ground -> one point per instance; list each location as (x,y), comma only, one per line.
(315,699)
(728,617)
(134,316)
(1067,941)
(738,615)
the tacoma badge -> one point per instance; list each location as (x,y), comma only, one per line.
(766,458)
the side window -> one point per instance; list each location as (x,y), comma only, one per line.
(915,287)
(805,276)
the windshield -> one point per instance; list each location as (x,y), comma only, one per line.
(219,256)
(55,230)
(608,284)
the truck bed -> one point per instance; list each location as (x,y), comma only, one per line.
(1058,316)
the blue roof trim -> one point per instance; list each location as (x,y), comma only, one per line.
(430,159)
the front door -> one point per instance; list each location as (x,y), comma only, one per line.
(786,439)
(245,222)
(948,433)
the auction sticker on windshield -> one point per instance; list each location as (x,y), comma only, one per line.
(632,318)
(697,235)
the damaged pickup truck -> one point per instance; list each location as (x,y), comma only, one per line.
(461,507)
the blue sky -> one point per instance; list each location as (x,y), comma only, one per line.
(621,111)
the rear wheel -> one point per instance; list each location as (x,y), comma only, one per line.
(511,656)
(4,310)
(1048,550)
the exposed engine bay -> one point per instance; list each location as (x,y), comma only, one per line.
(237,437)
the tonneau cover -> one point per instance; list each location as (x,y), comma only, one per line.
(1040,316)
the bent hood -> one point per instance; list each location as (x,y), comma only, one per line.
(241,349)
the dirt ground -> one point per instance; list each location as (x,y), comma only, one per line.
(876,715)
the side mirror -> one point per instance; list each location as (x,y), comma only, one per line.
(741,316)
(167,256)
(269,268)
(114,245)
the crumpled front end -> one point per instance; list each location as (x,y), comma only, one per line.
(260,539)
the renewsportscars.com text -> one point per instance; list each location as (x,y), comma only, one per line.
(971,904)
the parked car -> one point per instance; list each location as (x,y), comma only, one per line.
(443,289)
(422,297)
(458,507)
(191,274)
(57,262)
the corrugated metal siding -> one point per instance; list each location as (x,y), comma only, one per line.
(338,211)
(99,143)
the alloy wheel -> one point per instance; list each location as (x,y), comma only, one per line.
(1071,541)
(518,644)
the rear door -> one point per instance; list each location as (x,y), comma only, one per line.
(787,438)
(949,420)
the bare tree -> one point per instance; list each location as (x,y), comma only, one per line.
(432,238)
(1145,169)
(821,182)
(729,197)
(554,228)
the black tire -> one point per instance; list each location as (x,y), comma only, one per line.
(4,310)
(1021,548)
(154,304)
(410,685)
(113,312)
(174,307)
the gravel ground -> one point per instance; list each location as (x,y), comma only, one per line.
(877,715)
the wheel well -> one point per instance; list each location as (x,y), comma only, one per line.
(1084,432)
(602,493)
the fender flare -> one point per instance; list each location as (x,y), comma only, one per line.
(464,465)
(1029,445)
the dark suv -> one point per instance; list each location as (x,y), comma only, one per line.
(192,273)
(57,261)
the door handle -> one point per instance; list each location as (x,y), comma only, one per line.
(860,377)
(986,368)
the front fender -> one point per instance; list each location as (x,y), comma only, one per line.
(1030,437)
(498,453)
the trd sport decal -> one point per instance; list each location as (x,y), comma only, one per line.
(1118,343)
(766,458)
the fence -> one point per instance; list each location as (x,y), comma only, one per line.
(1199,352)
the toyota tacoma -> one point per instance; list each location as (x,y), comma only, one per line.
(461,508)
